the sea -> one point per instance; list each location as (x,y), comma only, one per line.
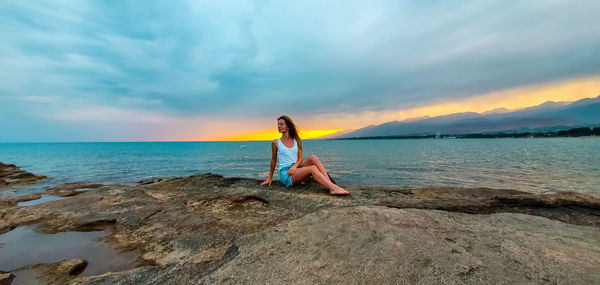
(538,165)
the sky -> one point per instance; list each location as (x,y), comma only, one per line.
(225,70)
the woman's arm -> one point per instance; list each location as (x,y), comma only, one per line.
(298,162)
(273,163)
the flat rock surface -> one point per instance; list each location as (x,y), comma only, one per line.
(205,227)
(71,189)
(377,245)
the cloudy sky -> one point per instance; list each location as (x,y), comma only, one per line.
(212,70)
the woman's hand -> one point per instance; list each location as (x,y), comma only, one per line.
(268,181)
(291,171)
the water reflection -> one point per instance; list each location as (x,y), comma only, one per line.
(23,246)
(42,199)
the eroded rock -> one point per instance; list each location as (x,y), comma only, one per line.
(52,273)
(570,207)
(14,201)
(11,175)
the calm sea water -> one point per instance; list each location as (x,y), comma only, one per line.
(535,165)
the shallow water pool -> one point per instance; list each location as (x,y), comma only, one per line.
(23,246)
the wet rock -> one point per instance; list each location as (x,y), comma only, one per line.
(51,273)
(6,278)
(71,189)
(11,175)
(72,267)
(150,180)
(14,201)
(6,226)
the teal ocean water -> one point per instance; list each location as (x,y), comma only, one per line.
(535,165)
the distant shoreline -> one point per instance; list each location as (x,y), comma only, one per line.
(575,132)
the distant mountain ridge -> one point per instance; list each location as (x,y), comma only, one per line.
(547,115)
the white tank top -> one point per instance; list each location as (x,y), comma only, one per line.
(286,156)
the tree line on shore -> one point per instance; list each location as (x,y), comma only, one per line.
(574,132)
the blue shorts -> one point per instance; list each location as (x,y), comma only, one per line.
(285,179)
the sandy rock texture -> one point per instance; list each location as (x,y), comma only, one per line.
(11,175)
(211,229)
(380,245)
(53,273)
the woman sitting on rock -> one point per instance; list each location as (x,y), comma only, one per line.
(287,153)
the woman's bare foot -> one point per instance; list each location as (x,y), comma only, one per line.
(337,190)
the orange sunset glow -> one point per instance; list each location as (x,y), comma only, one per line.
(511,99)
(271,135)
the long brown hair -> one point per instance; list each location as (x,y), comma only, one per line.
(292,129)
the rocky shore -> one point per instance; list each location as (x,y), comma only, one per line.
(11,175)
(209,229)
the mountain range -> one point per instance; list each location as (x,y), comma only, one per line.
(547,116)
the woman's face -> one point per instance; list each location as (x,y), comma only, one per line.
(281,126)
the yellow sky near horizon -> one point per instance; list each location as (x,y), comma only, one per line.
(513,98)
(274,134)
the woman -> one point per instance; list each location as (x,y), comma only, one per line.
(287,153)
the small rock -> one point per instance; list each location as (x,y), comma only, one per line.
(53,273)
(6,278)
(72,267)
(146,181)
(149,180)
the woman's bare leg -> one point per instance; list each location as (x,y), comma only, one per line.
(314,160)
(304,172)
